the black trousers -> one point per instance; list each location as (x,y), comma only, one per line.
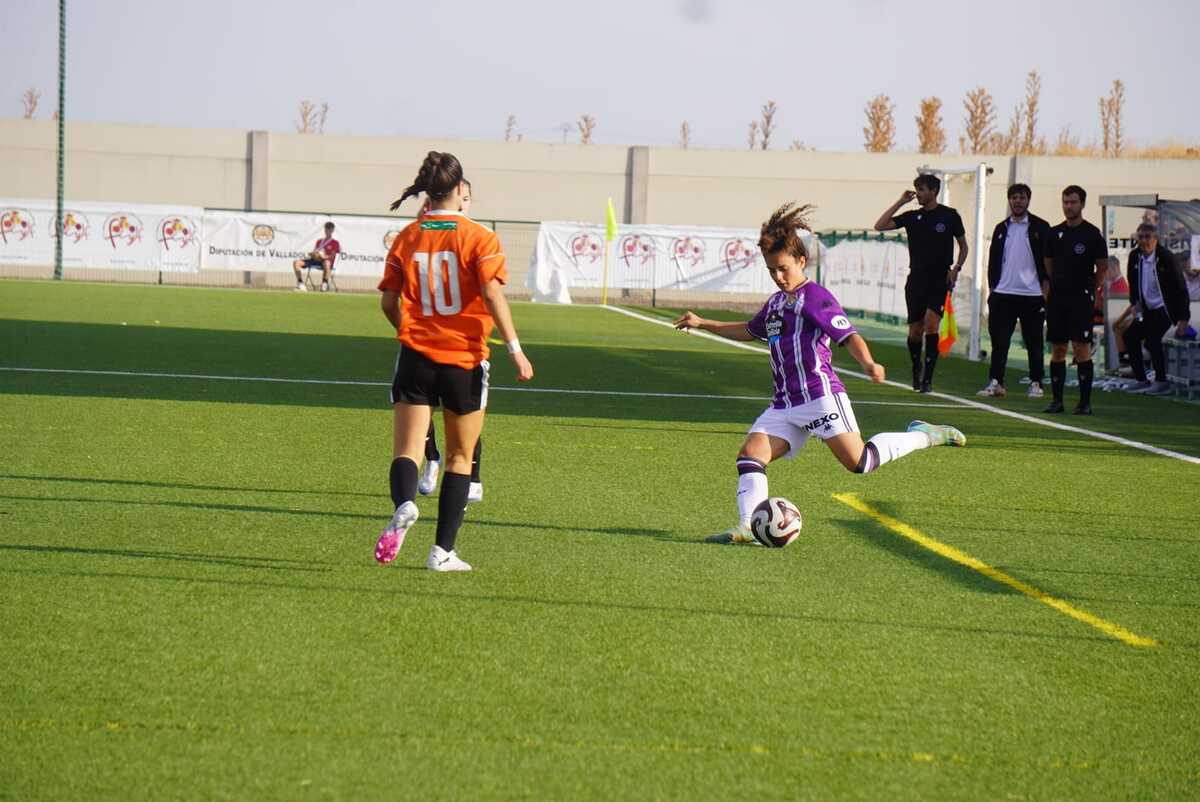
(1149,330)
(1004,311)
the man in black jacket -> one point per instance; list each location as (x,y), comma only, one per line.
(1018,285)
(1159,295)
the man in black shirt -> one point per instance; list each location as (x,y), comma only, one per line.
(1076,259)
(932,230)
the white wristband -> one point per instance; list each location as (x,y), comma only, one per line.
(513,346)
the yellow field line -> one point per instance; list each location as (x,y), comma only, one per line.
(962,558)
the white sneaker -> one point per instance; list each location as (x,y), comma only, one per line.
(475,492)
(1035,390)
(429,477)
(300,287)
(324,286)
(442,560)
(994,389)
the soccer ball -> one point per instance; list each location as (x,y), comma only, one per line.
(776,522)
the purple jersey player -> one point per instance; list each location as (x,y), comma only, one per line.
(798,324)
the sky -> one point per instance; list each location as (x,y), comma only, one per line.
(457,70)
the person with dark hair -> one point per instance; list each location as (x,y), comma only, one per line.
(323,255)
(1077,258)
(1018,285)
(798,323)
(931,229)
(443,292)
(1159,296)
(433,457)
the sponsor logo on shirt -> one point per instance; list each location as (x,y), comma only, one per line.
(840,322)
(439,225)
(774,328)
(822,421)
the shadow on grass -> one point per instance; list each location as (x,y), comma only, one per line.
(657,534)
(236,561)
(489,599)
(183,485)
(882,538)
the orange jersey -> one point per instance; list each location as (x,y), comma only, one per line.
(439,265)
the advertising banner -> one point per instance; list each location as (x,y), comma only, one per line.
(272,241)
(101,235)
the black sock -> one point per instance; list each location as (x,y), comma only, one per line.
(431,449)
(1058,378)
(452,505)
(914,351)
(403,476)
(1086,371)
(475,460)
(931,356)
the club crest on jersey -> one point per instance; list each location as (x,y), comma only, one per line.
(840,322)
(1079,248)
(822,421)
(940,228)
(790,302)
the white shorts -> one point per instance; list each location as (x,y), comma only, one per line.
(824,418)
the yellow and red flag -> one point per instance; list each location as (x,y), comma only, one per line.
(948,328)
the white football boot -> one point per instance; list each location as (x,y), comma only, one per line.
(441,560)
(475,492)
(429,477)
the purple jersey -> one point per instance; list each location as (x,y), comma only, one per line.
(797,327)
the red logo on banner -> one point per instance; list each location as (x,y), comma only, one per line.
(178,230)
(74,226)
(636,251)
(124,228)
(738,254)
(585,247)
(16,225)
(687,251)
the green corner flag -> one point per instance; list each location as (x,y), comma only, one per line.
(610,223)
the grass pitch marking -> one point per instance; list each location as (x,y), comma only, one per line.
(962,558)
(962,402)
(355,383)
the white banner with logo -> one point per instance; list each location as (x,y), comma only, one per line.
(571,255)
(102,235)
(867,274)
(271,241)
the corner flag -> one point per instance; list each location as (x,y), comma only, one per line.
(948,328)
(610,223)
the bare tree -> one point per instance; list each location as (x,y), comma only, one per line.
(586,124)
(768,123)
(1106,126)
(1008,143)
(321,118)
(931,136)
(29,99)
(1033,94)
(798,145)
(510,125)
(979,122)
(308,118)
(685,134)
(752,135)
(1116,100)
(880,131)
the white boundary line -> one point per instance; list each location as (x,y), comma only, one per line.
(625,393)
(1112,438)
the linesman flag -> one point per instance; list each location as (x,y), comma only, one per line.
(610,223)
(948,328)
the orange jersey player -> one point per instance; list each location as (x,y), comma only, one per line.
(442,290)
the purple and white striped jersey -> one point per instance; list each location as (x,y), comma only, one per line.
(797,326)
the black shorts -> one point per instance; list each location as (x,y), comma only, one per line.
(310,262)
(1069,318)
(420,380)
(925,289)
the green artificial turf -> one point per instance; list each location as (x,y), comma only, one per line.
(191,610)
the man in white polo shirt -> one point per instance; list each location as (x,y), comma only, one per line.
(1159,296)
(1019,285)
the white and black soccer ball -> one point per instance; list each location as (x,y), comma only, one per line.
(776,522)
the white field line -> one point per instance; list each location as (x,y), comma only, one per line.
(965,402)
(625,393)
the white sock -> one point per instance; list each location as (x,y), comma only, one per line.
(752,491)
(894,445)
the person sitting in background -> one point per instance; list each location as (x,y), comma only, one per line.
(1159,295)
(323,255)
